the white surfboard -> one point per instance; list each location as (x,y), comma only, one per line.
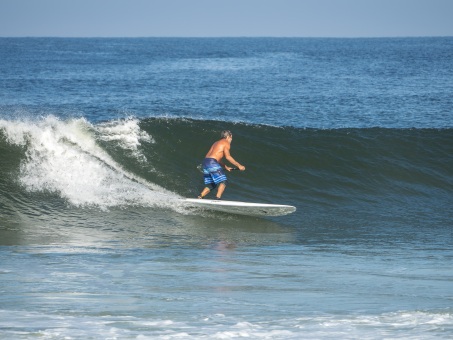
(242,208)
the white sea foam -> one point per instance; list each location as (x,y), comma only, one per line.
(63,157)
(417,325)
(127,133)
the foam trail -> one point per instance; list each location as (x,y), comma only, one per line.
(63,157)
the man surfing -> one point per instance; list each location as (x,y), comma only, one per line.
(213,173)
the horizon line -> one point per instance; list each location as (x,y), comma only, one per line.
(227,37)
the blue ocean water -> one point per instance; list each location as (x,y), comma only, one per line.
(100,139)
(320,83)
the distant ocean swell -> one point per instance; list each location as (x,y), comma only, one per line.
(153,161)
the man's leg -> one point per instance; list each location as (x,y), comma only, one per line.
(204,192)
(209,185)
(221,189)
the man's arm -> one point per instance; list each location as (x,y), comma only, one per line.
(230,158)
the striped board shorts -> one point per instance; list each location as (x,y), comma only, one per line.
(213,173)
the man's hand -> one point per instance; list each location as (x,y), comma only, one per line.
(240,167)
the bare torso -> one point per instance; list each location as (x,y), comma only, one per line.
(221,149)
(217,150)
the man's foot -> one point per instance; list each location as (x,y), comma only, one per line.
(217,198)
(200,197)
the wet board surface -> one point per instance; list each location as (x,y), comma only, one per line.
(242,208)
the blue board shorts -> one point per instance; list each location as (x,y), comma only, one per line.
(213,173)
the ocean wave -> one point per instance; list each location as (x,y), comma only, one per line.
(152,161)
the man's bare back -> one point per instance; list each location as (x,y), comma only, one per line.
(221,149)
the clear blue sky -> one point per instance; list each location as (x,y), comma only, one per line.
(230,18)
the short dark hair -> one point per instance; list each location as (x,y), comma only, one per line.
(226,133)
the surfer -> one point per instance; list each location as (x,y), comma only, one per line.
(213,173)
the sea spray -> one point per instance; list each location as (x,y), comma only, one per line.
(63,157)
(127,134)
